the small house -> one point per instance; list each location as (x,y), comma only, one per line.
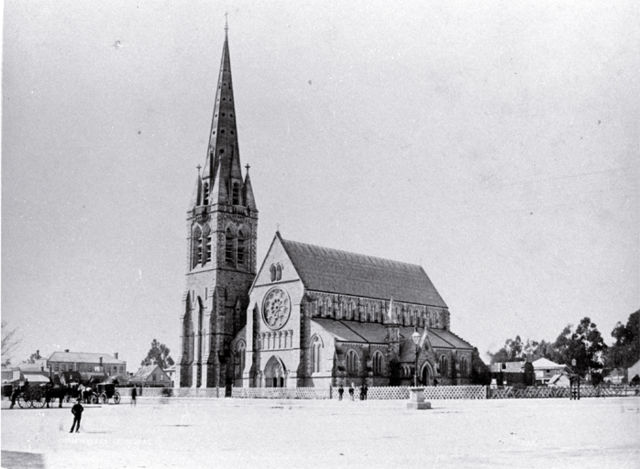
(150,375)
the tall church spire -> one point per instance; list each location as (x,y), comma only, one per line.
(223,157)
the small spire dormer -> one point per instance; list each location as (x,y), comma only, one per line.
(247,192)
(196,197)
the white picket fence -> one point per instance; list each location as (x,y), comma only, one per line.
(281,393)
(393,392)
(430,392)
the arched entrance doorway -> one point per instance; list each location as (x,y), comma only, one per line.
(426,375)
(274,373)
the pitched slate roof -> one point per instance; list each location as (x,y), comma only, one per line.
(84,357)
(375,333)
(144,372)
(352,331)
(438,339)
(335,271)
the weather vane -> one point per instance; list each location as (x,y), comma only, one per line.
(226,22)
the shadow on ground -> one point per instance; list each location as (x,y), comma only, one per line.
(20,460)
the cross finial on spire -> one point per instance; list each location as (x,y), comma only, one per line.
(226,23)
(247,167)
(199,168)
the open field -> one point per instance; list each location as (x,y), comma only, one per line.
(524,433)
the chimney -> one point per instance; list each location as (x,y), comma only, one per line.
(100,361)
(115,355)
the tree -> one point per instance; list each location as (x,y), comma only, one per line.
(9,342)
(33,357)
(158,354)
(511,351)
(480,372)
(626,349)
(584,345)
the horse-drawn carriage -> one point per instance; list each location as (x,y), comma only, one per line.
(30,396)
(100,392)
(108,391)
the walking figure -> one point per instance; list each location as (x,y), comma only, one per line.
(365,390)
(340,392)
(351,391)
(14,395)
(76,410)
(134,394)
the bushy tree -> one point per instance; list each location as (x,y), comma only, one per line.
(33,357)
(158,354)
(511,351)
(626,349)
(584,344)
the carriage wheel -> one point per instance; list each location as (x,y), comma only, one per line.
(22,403)
(103,398)
(38,402)
(116,398)
(94,399)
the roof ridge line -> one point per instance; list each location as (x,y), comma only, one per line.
(342,251)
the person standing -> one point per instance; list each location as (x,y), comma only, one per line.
(134,395)
(351,390)
(340,392)
(76,410)
(14,395)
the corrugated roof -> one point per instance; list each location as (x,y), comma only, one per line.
(84,357)
(335,271)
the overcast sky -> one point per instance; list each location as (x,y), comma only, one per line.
(494,143)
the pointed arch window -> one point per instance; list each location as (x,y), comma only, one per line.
(229,251)
(278,272)
(352,362)
(316,347)
(207,245)
(242,248)
(377,363)
(236,193)
(272,270)
(444,366)
(240,358)
(196,242)
(205,197)
(463,367)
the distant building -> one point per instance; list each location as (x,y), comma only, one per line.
(633,372)
(545,369)
(150,375)
(10,374)
(508,373)
(560,380)
(36,372)
(171,373)
(87,362)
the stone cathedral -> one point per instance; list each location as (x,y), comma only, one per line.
(310,316)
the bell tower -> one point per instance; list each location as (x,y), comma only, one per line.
(222,223)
